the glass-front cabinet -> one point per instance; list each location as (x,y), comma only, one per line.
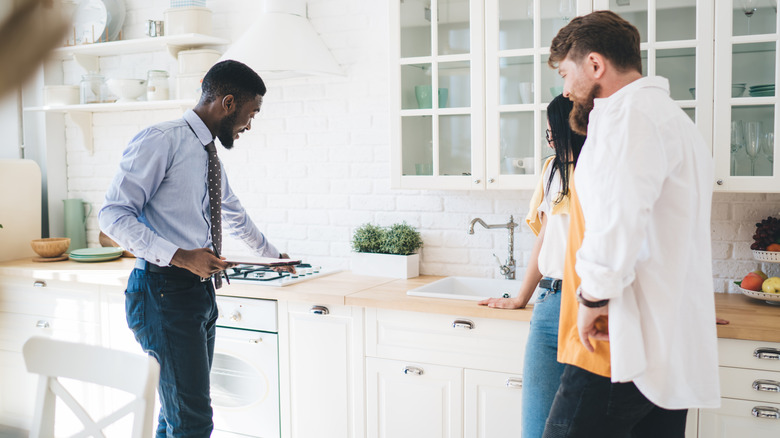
(483,127)
(746,39)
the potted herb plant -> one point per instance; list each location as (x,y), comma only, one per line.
(386,251)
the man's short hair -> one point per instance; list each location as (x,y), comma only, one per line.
(602,32)
(231,77)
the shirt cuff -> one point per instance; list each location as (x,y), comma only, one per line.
(161,252)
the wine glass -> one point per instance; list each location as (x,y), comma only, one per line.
(752,143)
(768,147)
(566,9)
(749,7)
(737,140)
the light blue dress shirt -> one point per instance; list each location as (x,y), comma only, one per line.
(158,203)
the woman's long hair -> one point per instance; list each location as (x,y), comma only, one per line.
(567,143)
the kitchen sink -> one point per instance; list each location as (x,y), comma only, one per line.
(468,288)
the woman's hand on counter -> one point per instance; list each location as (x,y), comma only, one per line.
(504,303)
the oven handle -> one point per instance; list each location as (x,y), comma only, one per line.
(319,310)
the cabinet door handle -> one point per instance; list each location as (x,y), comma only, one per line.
(463,324)
(766,412)
(39,283)
(514,382)
(413,371)
(42,324)
(766,385)
(767,353)
(319,310)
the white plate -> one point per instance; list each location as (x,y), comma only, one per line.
(115,9)
(769,298)
(767,256)
(89,21)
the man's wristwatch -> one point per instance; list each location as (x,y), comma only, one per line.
(587,303)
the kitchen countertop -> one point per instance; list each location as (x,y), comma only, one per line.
(749,319)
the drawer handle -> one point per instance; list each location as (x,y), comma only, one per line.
(413,371)
(319,310)
(42,324)
(463,324)
(256,341)
(766,412)
(514,382)
(39,283)
(766,385)
(767,353)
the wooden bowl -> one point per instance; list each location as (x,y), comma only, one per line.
(51,246)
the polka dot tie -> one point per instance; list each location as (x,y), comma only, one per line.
(215,204)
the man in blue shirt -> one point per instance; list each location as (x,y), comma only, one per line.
(158,207)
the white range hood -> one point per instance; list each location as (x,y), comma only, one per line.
(282,43)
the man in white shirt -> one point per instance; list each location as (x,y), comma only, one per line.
(644,183)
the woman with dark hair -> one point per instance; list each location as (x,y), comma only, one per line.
(548,218)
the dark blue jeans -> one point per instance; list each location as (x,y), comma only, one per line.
(589,406)
(173,318)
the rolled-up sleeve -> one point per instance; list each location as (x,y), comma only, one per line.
(617,202)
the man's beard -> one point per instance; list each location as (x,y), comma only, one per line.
(580,113)
(225,133)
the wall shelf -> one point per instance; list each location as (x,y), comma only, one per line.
(86,55)
(81,115)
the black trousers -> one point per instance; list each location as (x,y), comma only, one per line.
(591,406)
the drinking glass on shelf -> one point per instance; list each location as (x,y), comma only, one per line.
(768,147)
(566,9)
(749,8)
(752,143)
(737,140)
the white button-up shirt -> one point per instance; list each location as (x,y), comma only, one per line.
(644,180)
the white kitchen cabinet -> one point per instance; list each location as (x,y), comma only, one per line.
(322,384)
(471,131)
(446,375)
(492,404)
(750,391)
(746,53)
(413,400)
(36,307)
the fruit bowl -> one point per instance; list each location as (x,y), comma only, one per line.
(773,299)
(127,90)
(766,256)
(50,247)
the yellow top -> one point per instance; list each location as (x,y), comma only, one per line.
(570,349)
(532,219)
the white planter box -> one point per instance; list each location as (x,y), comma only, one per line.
(386,265)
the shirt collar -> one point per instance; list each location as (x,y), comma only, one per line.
(644,82)
(197,125)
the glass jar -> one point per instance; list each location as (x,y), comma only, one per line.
(92,88)
(157,85)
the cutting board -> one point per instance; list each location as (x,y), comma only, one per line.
(20,208)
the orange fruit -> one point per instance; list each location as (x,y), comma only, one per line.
(752,281)
(773,247)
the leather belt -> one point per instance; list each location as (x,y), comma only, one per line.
(549,283)
(167,270)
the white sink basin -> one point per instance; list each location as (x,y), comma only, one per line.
(468,288)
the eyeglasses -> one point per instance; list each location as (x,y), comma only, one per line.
(548,136)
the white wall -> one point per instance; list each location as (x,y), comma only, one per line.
(316,163)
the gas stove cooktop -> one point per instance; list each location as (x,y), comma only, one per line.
(268,277)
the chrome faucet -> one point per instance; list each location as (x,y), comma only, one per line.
(507,269)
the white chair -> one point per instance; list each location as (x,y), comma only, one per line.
(132,373)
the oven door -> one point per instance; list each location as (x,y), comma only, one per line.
(245,383)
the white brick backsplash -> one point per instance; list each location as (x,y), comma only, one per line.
(316,163)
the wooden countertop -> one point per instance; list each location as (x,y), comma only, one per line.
(749,319)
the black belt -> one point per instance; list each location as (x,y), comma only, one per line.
(167,270)
(553,284)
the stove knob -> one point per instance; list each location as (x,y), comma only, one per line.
(235,316)
(316,269)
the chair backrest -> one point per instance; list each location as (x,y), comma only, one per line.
(132,373)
